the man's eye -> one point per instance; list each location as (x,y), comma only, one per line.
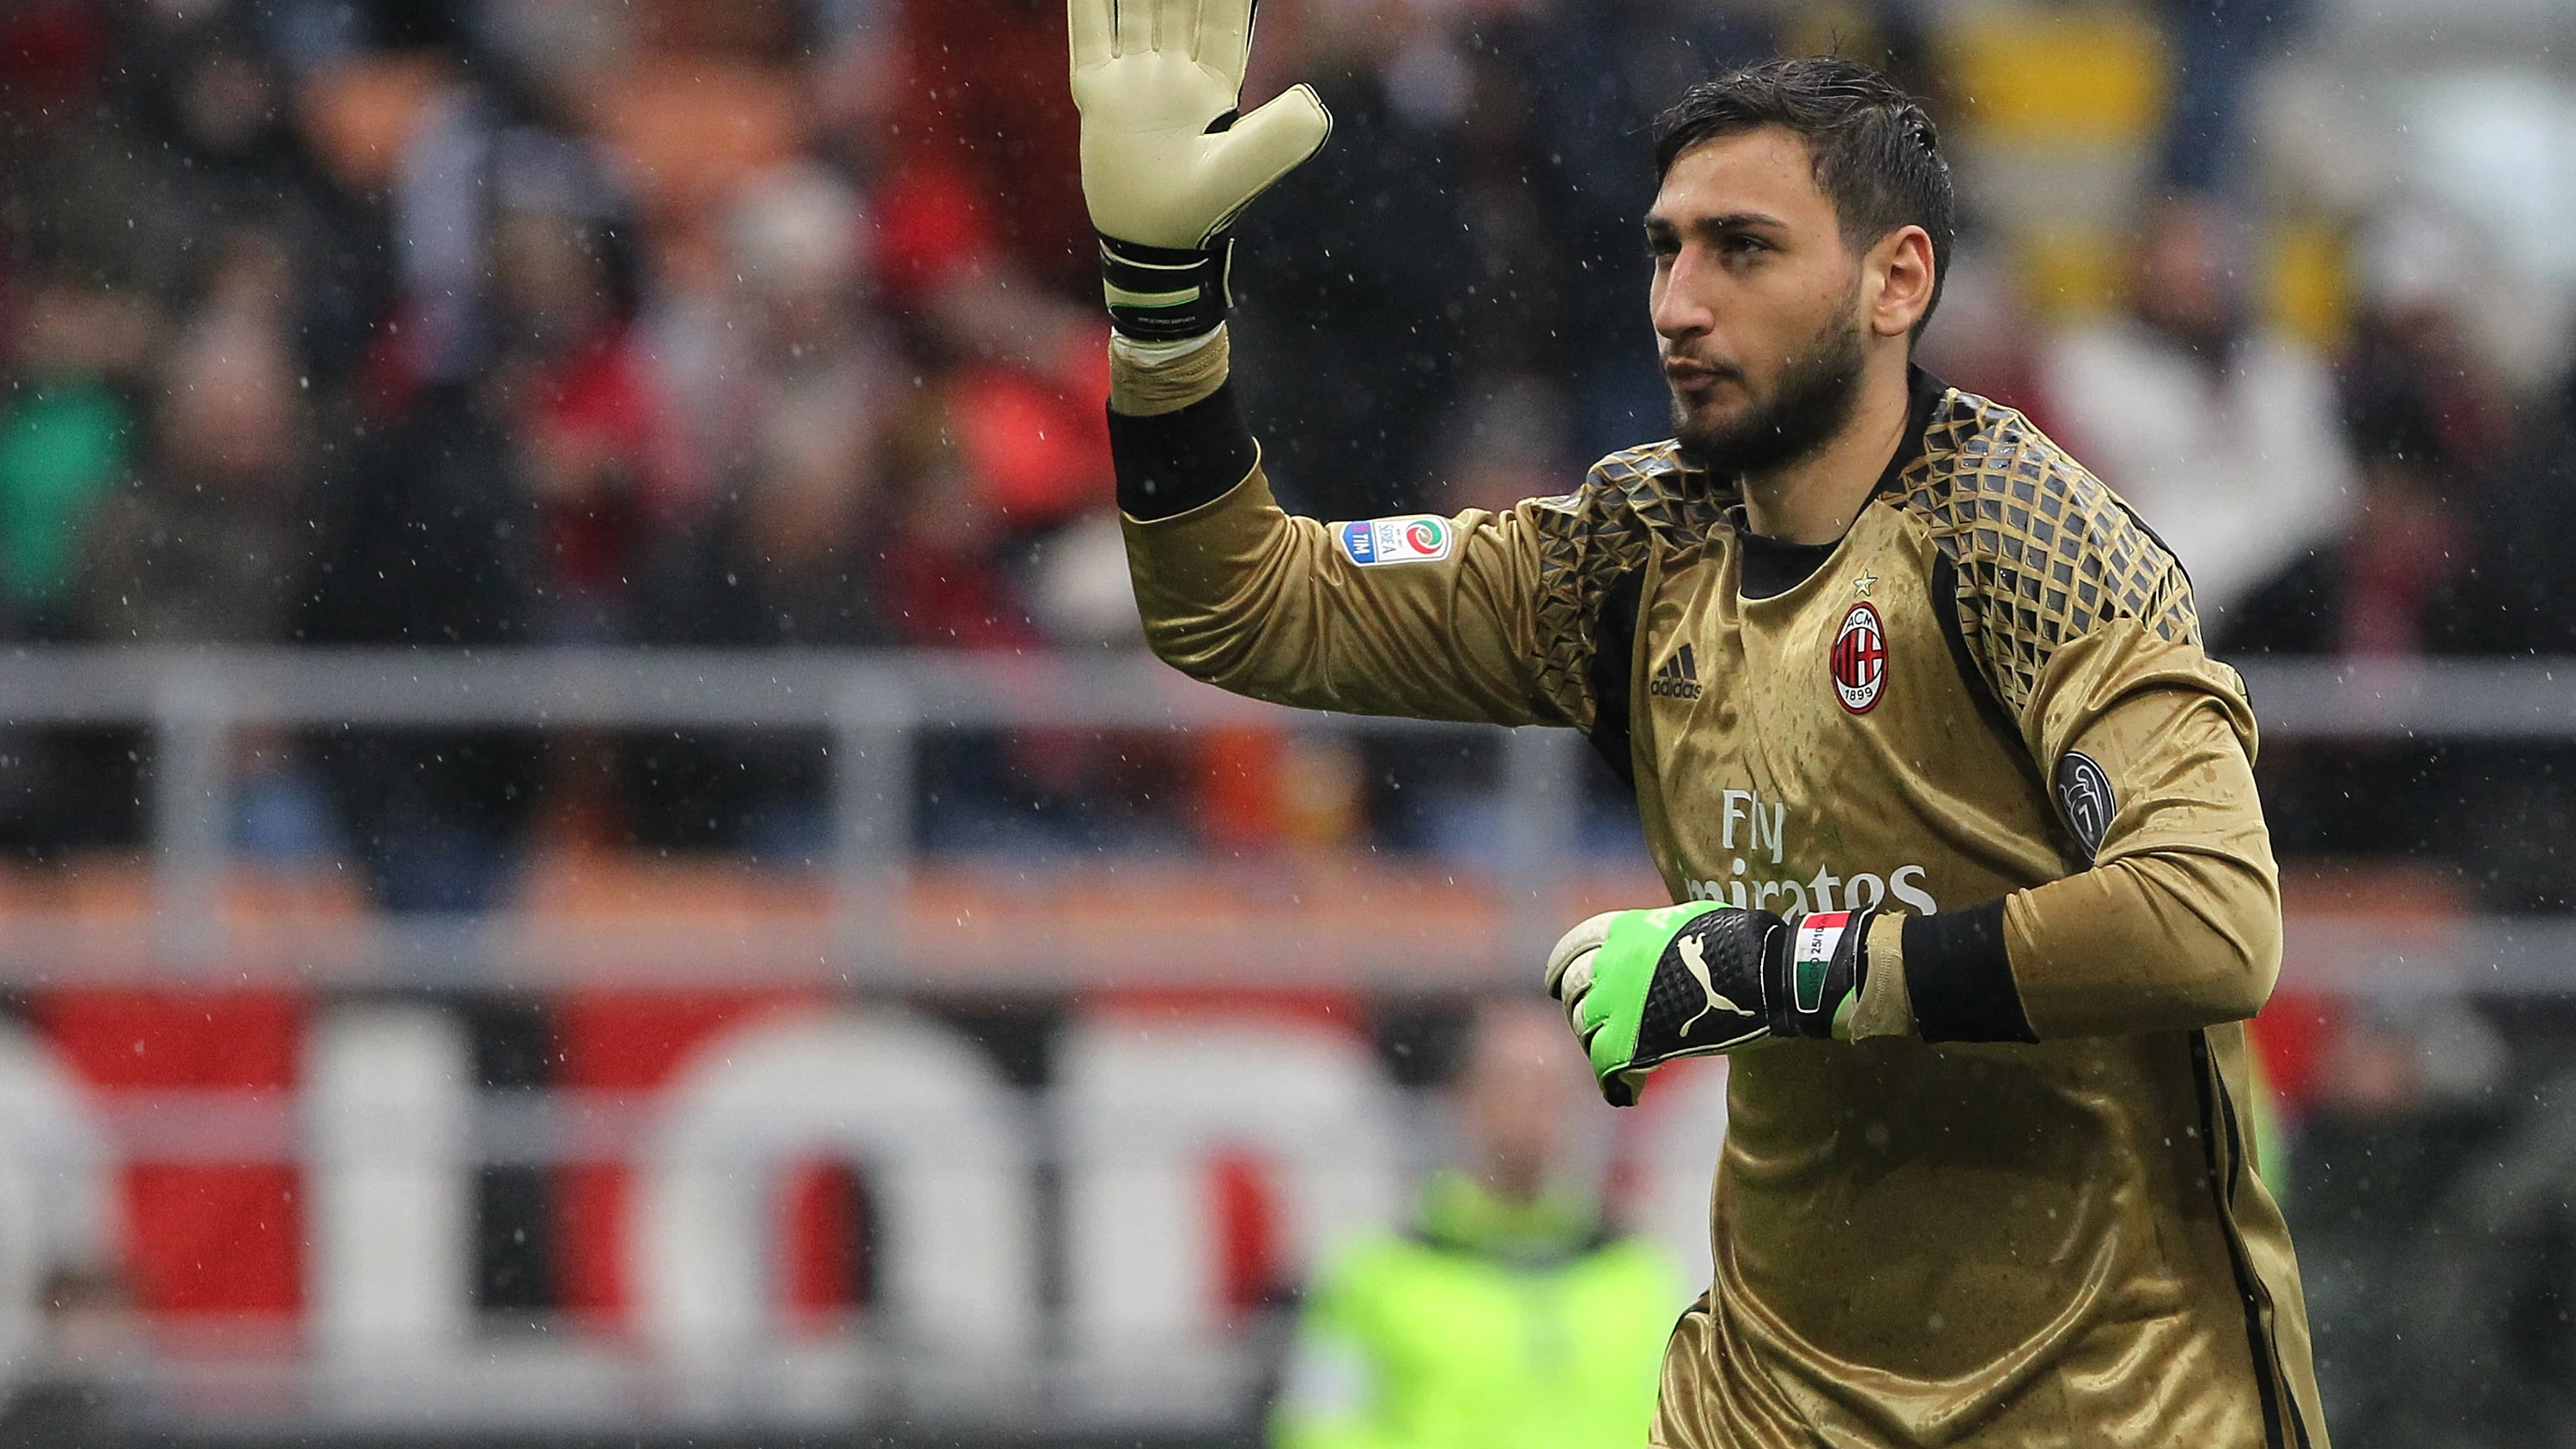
(1745,246)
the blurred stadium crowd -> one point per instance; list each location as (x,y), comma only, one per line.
(763,323)
(675,324)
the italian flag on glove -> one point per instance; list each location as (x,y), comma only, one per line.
(1643,987)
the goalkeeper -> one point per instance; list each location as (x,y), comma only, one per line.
(1961,817)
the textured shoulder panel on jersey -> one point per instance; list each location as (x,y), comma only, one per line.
(2043,552)
(1631,504)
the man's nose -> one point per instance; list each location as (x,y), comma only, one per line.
(1678,307)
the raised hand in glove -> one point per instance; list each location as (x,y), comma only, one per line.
(1643,987)
(1167,164)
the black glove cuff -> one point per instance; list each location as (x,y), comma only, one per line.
(1163,294)
(1824,964)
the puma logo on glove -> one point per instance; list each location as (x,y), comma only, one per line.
(1643,987)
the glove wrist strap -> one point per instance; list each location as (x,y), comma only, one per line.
(1165,294)
(1828,963)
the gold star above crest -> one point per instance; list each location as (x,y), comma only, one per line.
(1864,584)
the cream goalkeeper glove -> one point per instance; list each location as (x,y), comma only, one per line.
(1167,164)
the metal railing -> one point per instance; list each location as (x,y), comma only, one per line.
(875,706)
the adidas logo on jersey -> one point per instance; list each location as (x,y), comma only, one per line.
(1677,677)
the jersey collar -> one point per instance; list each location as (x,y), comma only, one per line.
(1770,567)
(1924,393)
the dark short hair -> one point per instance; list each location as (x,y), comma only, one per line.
(1876,153)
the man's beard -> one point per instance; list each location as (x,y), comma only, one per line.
(1813,399)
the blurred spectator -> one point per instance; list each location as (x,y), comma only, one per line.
(947,577)
(205,544)
(786,381)
(1588,77)
(1355,275)
(64,439)
(216,104)
(520,273)
(2217,44)
(1980,339)
(2222,433)
(2424,566)
(784,320)
(1474,240)
(67,438)
(1508,1317)
(790,404)
(2379,588)
(496,142)
(985,103)
(595,450)
(2516,800)
(855,80)
(2518,585)
(789,556)
(2388,586)
(979,531)
(424,538)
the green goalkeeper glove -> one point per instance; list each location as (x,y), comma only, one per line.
(1166,163)
(1643,987)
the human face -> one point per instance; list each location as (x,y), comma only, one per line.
(1757,303)
(2186,280)
(1516,1091)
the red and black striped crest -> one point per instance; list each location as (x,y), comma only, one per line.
(1860,659)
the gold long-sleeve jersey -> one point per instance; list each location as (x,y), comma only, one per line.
(2020,1210)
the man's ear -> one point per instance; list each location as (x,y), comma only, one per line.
(1902,266)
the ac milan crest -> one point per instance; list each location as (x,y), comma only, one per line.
(1860,659)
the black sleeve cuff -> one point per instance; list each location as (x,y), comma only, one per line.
(1172,462)
(1959,979)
